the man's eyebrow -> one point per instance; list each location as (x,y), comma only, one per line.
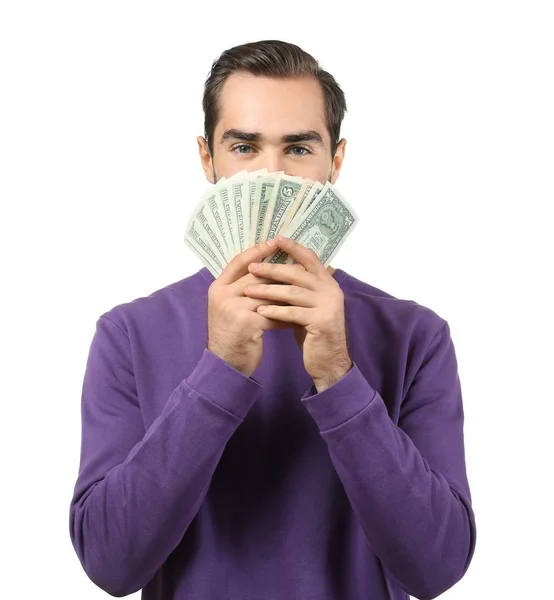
(291,138)
(237,134)
(303,136)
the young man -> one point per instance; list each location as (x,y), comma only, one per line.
(234,452)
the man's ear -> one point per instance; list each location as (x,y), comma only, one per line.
(206,159)
(337,161)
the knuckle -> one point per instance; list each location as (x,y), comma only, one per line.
(326,319)
(258,249)
(213,295)
(252,279)
(241,320)
(296,291)
(239,260)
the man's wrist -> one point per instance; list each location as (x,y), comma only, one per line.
(332,377)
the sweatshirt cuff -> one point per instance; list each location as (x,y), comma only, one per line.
(341,401)
(223,385)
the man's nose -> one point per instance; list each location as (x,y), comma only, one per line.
(274,161)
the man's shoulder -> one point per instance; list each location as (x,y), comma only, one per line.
(163,304)
(377,307)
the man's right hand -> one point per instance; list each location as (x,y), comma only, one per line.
(235,329)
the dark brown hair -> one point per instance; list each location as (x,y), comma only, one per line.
(271,58)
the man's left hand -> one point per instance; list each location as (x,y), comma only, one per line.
(316,307)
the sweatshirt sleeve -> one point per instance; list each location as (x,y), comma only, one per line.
(138,490)
(407,484)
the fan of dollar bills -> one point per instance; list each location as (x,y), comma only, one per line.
(251,207)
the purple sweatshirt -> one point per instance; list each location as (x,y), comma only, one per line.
(199,483)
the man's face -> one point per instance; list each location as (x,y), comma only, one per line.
(277,124)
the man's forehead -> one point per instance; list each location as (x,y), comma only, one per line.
(297,98)
(271,109)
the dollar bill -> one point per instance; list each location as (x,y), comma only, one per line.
(238,189)
(204,223)
(250,207)
(229,216)
(282,198)
(264,189)
(323,227)
(203,249)
(218,217)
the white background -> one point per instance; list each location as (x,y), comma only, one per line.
(449,165)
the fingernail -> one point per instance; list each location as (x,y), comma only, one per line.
(271,243)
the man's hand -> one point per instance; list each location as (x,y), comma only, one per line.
(235,328)
(316,308)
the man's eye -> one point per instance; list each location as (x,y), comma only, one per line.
(242,149)
(299,151)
